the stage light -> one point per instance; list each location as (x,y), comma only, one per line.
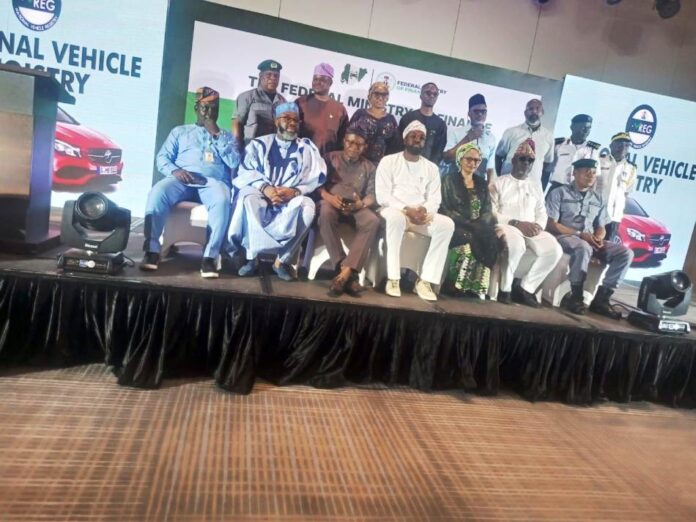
(667,8)
(541,2)
(613,2)
(98,231)
(662,297)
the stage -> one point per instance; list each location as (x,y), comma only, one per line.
(152,326)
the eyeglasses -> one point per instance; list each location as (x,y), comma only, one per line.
(380,94)
(354,143)
(525,159)
(471,160)
(431,93)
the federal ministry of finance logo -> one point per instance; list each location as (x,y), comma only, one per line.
(387,78)
(352,74)
(37,15)
(641,125)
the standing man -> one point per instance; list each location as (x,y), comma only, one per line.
(196,161)
(253,115)
(577,217)
(273,213)
(530,129)
(475,132)
(436,129)
(617,178)
(570,150)
(408,190)
(322,119)
(348,196)
(518,204)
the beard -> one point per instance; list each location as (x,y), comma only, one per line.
(286,134)
(416,150)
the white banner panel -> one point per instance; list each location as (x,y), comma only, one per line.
(660,213)
(227,59)
(108,55)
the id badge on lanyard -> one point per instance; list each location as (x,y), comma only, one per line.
(208,155)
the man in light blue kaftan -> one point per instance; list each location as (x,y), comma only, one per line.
(272,212)
(196,161)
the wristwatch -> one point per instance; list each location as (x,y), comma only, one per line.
(513,222)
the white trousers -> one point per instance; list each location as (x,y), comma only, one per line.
(440,231)
(545,249)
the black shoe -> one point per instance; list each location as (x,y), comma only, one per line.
(209,269)
(601,305)
(353,287)
(573,304)
(504,297)
(521,296)
(150,261)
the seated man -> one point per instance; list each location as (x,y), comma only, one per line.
(273,213)
(577,216)
(408,189)
(349,195)
(519,205)
(196,161)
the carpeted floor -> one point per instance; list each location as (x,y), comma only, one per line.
(75,446)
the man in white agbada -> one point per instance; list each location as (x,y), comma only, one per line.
(272,212)
(407,187)
(519,206)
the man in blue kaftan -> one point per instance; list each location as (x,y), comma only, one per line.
(196,161)
(272,211)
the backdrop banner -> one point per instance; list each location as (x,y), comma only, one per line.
(352,78)
(108,55)
(659,216)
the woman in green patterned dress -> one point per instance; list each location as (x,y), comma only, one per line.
(474,247)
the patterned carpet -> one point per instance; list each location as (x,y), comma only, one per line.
(75,446)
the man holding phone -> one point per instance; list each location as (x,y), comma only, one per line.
(348,196)
(478,133)
(196,161)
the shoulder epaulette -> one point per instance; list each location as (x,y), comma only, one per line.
(593,144)
(559,140)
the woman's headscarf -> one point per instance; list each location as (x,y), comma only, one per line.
(462,150)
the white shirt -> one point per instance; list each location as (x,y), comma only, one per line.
(514,136)
(520,199)
(486,143)
(614,182)
(400,183)
(568,153)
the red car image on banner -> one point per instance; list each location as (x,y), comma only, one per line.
(83,154)
(648,238)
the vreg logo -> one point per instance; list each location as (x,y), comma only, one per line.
(641,125)
(37,15)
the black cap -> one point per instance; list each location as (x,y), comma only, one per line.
(477,99)
(585,163)
(581,118)
(269,65)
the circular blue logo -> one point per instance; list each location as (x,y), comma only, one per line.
(37,15)
(641,125)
